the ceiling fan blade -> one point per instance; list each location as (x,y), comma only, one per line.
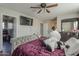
(39,11)
(54,5)
(35,7)
(47,11)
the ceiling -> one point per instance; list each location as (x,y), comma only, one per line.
(62,8)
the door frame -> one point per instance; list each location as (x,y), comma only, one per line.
(14,25)
(41,28)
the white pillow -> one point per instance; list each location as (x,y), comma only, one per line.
(74,46)
(52,42)
(71,41)
(34,36)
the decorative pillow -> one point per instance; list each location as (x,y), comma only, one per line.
(52,42)
(34,36)
(73,46)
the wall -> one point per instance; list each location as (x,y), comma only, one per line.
(65,16)
(1,34)
(45,29)
(20,30)
(28,30)
(52,22)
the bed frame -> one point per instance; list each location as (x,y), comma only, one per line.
(21,40)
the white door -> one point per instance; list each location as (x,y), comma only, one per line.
(41,29)
(45,29)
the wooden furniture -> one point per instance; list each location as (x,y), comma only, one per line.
(69,27)
(66,35)
(72,21)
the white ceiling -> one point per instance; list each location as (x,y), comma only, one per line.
(55,11)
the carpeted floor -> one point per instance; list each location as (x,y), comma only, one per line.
(6,49)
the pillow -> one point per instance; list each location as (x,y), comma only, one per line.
(34,36)
(73,46)
(71,41)
(52,42)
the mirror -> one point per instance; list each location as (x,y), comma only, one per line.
(69,25)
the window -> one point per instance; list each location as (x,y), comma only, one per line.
(75,25)
(3,25)
(10,25)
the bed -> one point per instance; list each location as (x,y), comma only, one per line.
(32,45)
(35,47)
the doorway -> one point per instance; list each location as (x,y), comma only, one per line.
(41,29)
(8,33)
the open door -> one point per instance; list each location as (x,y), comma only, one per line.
(8,33)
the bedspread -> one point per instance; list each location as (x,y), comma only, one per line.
(35,48)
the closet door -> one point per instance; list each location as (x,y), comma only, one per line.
(45,29)
(41,29)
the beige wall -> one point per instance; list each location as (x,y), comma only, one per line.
(52,22)
(48,25)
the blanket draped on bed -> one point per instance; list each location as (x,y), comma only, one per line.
(36,48)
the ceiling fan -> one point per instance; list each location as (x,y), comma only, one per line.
(45,7)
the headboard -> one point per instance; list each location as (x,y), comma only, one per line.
(21,40)
(66,35)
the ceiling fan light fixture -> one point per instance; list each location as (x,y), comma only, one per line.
(47,11)
(44,6)
(39,11)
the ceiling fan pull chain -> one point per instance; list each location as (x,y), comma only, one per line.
(44,9)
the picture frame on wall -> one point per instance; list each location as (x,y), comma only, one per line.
(26,21)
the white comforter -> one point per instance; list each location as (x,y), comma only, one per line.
(52,42)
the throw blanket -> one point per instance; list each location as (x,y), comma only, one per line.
(36,48)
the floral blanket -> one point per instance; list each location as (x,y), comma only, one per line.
(36,48)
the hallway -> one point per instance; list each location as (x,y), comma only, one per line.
(7,48)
